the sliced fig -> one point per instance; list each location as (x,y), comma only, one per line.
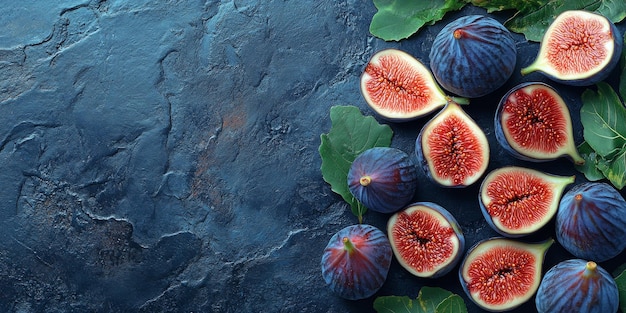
(383,179)
(579,48)
(591,221)
(452,149)
(533,123)
(399,87)
(518,201)
(473,56)
(356,261)
(499,274)
(577,286)
(426,239)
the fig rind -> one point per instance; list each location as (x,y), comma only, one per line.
(384,179)
(356,261)
(595,31)
(518,201)
(398,87)
(426,232)
(591,221)
(473,56)
(548,120)
(499,274)
(455,157)
(577,285)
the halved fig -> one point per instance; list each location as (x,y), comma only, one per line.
(500,274)
(579,48)
(426,239)
(591,221)
(533,123)
(452,149)
(383,179)
(518,201)
(577,286)
(356,261)
(399,87)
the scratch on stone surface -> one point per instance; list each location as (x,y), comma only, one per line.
(32,251)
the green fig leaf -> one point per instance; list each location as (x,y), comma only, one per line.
(429,300)
(501,5)
(615,169)
(590,168)
(430,297)
(452,304)
(603,118)
(620,280)
(533,23)
(395,304)
(622,78)
(399,19)
(350,134)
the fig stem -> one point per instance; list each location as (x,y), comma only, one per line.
(458,100)
(348,245)
(590,269)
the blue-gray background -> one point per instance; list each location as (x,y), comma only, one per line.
(161,156)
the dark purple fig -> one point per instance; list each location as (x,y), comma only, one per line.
(399,87)
(500,274)
(579,48)
(518,201)
(533,123)
(452,149)
(591,222)
(356,261)
(577,286)
(426,239)
(383,179)
(473,56)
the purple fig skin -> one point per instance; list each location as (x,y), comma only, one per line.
(438,213)
(383,179)
(577,286)
(473,56)
(591,221)
(594,78)
(356,261)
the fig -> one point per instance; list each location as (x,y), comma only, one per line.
(384,179)
(398,87)
(500,274)
(452,149)
(591,221)
(533,123)
(517,201)
(426,239)
(473,56)
(356,261)
(577,286)
(579,48)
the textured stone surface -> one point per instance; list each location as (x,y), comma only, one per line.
(161,156)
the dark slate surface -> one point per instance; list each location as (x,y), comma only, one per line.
(161,156)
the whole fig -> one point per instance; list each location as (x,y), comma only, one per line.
(577,286)
(591,221)
(356,261)
(473,56)
(384,179)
